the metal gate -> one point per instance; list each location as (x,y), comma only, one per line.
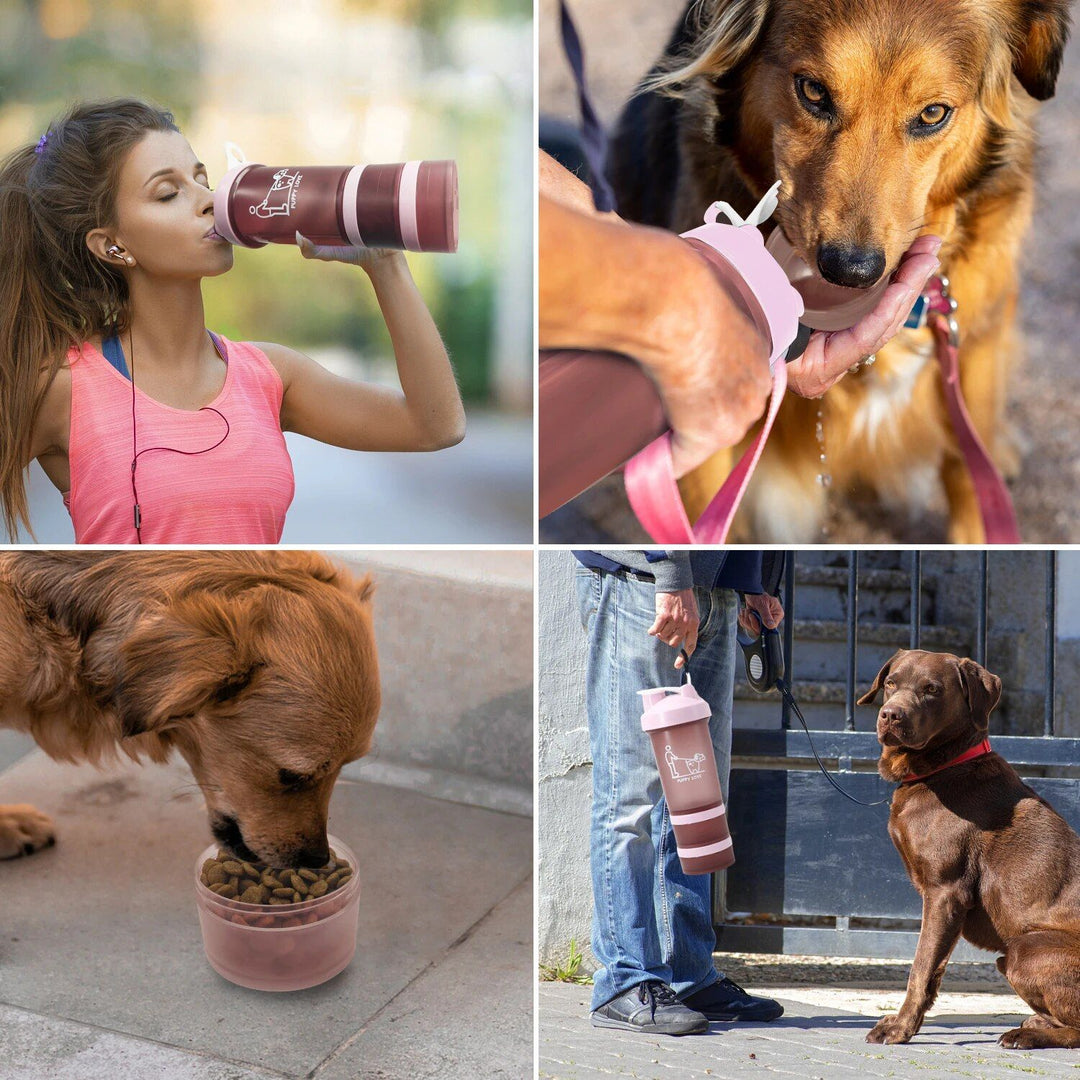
(816,874)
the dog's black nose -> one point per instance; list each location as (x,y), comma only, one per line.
(315,855)
(853,267)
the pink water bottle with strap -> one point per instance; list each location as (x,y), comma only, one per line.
(597,410)
(676,719)
(410,206)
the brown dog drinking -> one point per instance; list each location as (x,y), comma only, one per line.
(884,120)
(992,861)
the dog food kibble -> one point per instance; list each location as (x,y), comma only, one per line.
(256,883)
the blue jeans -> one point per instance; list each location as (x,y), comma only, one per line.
(650,919)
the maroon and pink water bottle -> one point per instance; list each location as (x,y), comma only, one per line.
(599,409)
(411,206)
(677,721)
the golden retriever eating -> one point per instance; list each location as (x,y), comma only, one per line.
(259,667)
(884,120)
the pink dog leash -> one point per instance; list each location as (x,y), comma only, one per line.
(654,494)
(995,503)
(775,306)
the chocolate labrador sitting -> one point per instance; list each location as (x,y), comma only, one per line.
(992,861)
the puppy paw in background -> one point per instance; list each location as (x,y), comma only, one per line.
(24,830)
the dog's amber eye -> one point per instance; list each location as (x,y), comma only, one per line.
(930,689)
(813,95)
(932,117)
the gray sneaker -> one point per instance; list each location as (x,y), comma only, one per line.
(650,1007)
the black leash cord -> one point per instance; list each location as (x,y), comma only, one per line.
(785,690)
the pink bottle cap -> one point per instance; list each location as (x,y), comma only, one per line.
(761,282)
(223,224)
(826,306)
(667,706)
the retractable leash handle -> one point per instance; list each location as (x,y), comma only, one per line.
(763,655)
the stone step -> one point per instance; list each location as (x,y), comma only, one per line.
(821,702)
(884,595)
(821,647)
(886,559)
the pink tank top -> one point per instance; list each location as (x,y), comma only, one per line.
(235,494)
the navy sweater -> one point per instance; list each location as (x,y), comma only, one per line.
(674,569)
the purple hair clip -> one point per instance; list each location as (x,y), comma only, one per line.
(40,148)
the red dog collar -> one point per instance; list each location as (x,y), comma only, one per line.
(968,755)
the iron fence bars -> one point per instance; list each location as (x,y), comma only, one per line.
(789,634)
(1051,642)
(980,611)
(814,873)
(853,640)
(915,637)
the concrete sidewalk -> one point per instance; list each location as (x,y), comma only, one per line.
(813,1040)
(102,973)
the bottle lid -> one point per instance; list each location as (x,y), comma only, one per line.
(825,306)
(743,248)
(667,706)
(223,223)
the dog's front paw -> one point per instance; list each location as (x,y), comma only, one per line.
(24,830)
(889,1029)
(1023,1039)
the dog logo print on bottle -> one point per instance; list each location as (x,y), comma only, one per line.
(691,765)
(283,192)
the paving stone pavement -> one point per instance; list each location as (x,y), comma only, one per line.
(811,1041)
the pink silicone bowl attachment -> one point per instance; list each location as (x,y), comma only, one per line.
(826,306)
(757,277)
(283,955)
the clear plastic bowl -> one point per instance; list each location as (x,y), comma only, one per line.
(282,952)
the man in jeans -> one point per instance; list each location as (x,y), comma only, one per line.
(652,923)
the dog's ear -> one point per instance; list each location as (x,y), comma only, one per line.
(721,34)
(361,587)
(879,680)
(199,650)
(1040,33)
(982,689)
(321,568)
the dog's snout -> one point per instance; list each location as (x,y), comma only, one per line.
(852,267)
(315,855)
(892,714)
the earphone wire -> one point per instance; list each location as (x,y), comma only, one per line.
(136,452)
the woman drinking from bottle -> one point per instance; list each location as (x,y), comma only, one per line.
(155,429)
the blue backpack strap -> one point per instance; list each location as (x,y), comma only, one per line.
(593,139)
(113,351)
(219,345)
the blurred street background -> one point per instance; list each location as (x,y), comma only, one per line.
(324,82)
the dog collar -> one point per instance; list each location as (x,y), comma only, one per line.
(934,300)
(968,755)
